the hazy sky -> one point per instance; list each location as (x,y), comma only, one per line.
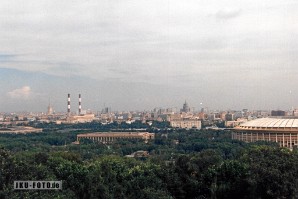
(141,54)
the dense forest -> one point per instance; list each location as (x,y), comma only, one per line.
(181,164)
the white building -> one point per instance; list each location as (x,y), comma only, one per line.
(186,124)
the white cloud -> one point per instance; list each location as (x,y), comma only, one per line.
(20,93)
(228,13)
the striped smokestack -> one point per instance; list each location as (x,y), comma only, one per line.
(68,104)
(80,106)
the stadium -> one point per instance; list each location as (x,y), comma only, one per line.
(281,130)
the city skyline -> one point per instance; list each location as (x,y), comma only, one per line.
(138,55)
(73,106)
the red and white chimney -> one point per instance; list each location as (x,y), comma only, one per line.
(80,105)
(68,104)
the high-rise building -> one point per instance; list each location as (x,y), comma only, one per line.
(204,110)
(230,117)
(278,113)
(185,108)
(295,112)
(50,110)
(106,110)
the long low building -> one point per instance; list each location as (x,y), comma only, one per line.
(281,130)
(110,137)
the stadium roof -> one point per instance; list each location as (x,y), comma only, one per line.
(270,124)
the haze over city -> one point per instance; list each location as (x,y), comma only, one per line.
(136,55)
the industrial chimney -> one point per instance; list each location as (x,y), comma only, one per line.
(80,106)
(68,105)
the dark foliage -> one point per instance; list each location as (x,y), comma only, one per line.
(182,164)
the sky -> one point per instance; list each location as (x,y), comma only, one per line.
(142,54)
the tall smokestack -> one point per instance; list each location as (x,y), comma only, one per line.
(80,106)
(68,105)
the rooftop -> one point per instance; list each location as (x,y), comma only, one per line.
(280,124)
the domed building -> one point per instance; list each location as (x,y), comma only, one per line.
(281,130)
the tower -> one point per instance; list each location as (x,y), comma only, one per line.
(50,110)
(68,105)
(185,108)
(80,106)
